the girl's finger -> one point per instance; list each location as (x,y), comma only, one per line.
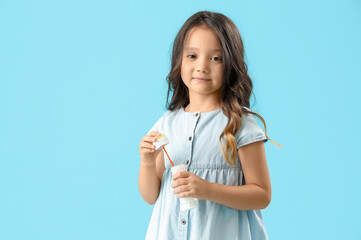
(179,182)
(183,188)
(147,151)
(154,134)
(184,194)
(149,139)
(147,145)
(180,175)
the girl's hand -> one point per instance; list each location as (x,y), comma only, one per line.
(148,154)
(188,184)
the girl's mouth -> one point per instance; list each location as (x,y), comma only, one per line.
(201,79)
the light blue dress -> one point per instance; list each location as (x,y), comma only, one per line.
(194,141)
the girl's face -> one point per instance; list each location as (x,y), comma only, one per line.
(202,68)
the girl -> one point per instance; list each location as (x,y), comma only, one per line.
(211,131)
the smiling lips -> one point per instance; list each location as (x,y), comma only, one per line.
(201,79)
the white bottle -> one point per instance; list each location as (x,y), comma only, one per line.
(187,202)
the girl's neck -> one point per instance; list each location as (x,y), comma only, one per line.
(198,104)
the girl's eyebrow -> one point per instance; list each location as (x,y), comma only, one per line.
(196,49)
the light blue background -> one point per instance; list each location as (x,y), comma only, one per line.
(81,82)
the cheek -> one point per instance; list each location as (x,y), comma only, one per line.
(221,69)
(220,76)
(220,72)
(185,69)
(183,76)
(185,72)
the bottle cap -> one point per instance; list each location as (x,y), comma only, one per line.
(162,140)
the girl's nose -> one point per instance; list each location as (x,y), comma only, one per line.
(202,65)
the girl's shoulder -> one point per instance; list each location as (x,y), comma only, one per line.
(246,108)
(169,113)
(249,130)
(158,126)
(172,113)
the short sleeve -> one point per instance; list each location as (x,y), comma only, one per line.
(249,131)
(158,126)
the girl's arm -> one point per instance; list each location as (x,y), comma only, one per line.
(256,194)
(151,169)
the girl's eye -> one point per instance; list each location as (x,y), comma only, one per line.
(217,59)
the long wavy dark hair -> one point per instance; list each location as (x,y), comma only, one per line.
(237,86)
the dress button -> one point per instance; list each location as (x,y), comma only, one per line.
(196,114)
(187,162)
(190,138)
(184,221)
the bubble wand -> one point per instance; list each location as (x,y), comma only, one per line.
(171,162)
